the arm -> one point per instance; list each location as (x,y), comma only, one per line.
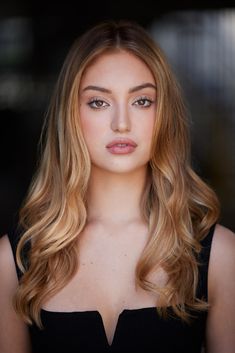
(14,337)
(220,335)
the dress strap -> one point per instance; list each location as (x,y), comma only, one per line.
(204,258)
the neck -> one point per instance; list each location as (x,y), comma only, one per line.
(115,198)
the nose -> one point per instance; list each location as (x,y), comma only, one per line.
(121,120)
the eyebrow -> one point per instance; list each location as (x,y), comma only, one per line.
(131,90)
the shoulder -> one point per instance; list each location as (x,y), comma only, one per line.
(221,292)
(222,232)
(6,254)
(14,335)
(222,260)
(223,245)
(7,263)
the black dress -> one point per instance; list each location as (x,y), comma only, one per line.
(137,330)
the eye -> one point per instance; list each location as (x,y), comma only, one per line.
(143,102)
(97,104)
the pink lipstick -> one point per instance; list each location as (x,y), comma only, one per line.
(121,146)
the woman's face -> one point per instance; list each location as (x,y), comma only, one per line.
(117,101)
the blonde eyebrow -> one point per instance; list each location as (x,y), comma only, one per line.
(131,90)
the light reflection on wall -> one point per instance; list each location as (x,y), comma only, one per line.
(200,46)
(19,88)
(22,97)
(15,42)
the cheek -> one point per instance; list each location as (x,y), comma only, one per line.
(147,134)
(147,127)
(93,129)
(87,129)
(87,124)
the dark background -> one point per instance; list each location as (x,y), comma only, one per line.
(199,40)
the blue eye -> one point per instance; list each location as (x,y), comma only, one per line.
(143,102)
(97,104)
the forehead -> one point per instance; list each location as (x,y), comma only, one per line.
(115,67)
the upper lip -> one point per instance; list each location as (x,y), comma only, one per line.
(122,140)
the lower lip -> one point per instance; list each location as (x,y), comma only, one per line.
(121,150)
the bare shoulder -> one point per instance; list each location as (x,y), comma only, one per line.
(223,247)
(6,257)
(13,332)
(224,234)
(221,292)
(222,258)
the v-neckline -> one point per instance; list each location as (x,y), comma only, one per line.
(105,330)
(98,314)
(121,314)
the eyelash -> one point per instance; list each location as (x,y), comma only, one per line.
(94,100)
(144,98)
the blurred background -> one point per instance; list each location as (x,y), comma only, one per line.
(199,41)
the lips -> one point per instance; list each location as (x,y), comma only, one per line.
(121,142)
(121,146)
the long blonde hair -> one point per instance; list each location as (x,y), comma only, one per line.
(178,206)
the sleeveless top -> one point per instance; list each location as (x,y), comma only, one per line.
(137,330)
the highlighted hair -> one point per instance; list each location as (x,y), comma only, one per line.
(178,206)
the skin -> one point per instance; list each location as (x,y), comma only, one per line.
(122,114)
(105,280)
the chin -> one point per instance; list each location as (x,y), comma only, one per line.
(120,168)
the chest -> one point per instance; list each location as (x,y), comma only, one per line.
(106,277)
(105,282)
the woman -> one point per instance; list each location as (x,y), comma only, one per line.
(118,245)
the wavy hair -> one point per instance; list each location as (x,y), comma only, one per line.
(178,206)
